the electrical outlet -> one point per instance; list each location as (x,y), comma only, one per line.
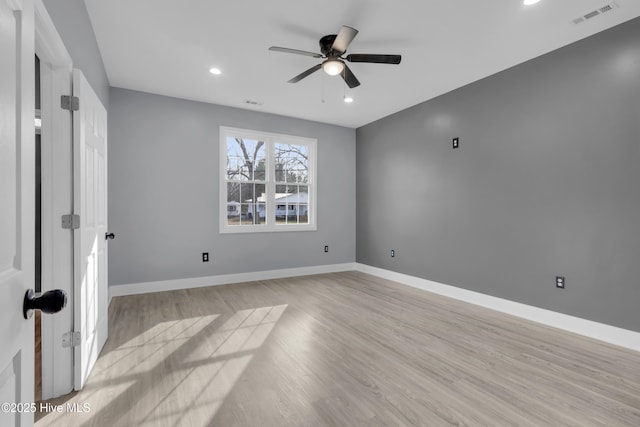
(326,248)
(205,256)
(393,253)
(456,142)
(560,282)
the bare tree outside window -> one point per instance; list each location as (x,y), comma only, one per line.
(246,163)
(292,170)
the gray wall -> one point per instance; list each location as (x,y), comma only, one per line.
(72,22)
(163,192)
(546,182)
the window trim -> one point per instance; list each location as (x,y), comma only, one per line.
(270,139)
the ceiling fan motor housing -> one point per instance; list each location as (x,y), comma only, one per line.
(325,46)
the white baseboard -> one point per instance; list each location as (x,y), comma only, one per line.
(600,331)
(224,279)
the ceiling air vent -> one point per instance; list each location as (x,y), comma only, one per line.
(606,8)
(599,11)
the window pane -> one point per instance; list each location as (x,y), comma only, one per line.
(250,214)
(285,213)
(233,192)
(245,159)
(282,203)
(292,163)
(280,171)
(251,192)
(246,216)
(302,201)
(303,213)
(253,209)
(233,203)
(292,204)
(303,175)
(260,172)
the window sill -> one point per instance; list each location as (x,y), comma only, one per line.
(235,229)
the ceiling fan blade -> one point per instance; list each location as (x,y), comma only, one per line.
(349,78)
(373,58)
(344,39)
(304,74)
(296,51)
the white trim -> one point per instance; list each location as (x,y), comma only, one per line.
(57,272)
(224,279)
(599,331)
(15,5)
(49,44)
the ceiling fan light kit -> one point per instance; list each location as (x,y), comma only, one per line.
(333,67)
(333,48)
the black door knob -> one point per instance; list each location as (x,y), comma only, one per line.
(49,302)
(108,236)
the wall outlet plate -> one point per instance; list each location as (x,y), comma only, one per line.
(393,253)
(455,142)
(326,248)
(205,256)
(560,282)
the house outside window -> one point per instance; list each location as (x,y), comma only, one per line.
(267,182)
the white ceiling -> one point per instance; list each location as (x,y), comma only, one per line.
(167,47)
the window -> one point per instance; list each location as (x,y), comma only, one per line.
(267,182)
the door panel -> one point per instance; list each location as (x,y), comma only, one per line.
(10,390)
(17,207)
(90,251)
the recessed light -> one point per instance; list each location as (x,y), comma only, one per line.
(215,71)
(530,2)
(348,99)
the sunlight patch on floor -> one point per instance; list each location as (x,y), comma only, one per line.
(173,371)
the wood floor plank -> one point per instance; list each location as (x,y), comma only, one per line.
(345,349)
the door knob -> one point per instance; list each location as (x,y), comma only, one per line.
(49,302)
(108,236)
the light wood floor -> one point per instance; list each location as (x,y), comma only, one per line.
(345,349)
(37,356)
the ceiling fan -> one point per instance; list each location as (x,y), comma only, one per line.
(333,47)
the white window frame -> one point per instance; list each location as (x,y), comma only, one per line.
(270,186)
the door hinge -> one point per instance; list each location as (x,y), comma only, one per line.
(71,339)
(71,103)
(70,222)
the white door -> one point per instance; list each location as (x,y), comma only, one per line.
(90,252)
(17,181)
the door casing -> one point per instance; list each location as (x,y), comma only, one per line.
(57,200)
